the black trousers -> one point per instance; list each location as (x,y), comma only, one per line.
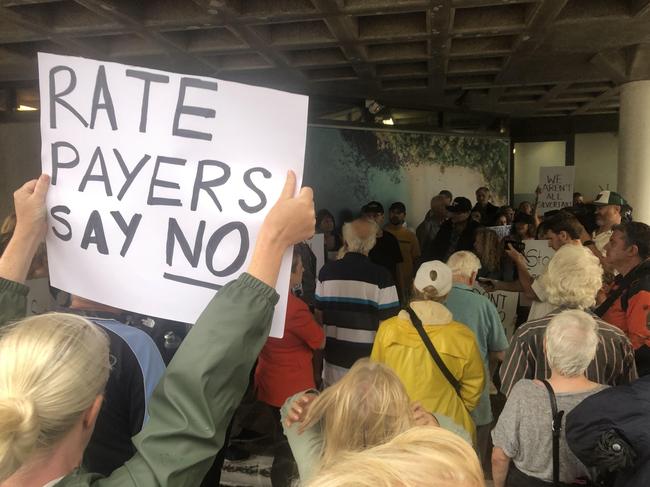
(642,359)
(283,470)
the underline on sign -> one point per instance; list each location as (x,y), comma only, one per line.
(193,282)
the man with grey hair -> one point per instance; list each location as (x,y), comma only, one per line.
(571,280)
(352,296)
(480,315)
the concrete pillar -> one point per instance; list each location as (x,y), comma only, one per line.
(634,148)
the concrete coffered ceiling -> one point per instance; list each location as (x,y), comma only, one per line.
(518,58)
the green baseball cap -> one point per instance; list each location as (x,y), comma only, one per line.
(609,198)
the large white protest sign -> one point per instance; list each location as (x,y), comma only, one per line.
(556,183)
(160,181)
(537,254)
(506,304)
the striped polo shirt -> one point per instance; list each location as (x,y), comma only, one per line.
(525,359)
(354,295)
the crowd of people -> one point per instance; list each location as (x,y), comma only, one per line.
(387,366)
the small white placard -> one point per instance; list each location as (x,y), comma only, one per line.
(556,183)
(537,254)
(506,304)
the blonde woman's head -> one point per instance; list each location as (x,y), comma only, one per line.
(52,369)
(367,407)
(423,456)
(573,277)
(488,247)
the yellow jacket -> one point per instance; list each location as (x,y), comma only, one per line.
(399,346)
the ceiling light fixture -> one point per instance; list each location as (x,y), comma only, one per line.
(25,108)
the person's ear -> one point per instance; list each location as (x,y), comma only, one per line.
(90,416)
(633,250)
(472,278)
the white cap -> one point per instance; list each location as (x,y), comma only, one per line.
(434,273)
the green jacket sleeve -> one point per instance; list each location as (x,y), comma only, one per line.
(306,446)
(13,301)
(192,405)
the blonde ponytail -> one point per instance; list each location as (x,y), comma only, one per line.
(52,367)
(20,427)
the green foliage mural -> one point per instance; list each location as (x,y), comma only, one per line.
(392,151)
(490,156)
(350,167)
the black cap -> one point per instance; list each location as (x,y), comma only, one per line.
(460,205)
(373,207)
(399,206)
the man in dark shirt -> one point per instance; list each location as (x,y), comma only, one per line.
(428,229)
(456,233)
(487,210)
(386,251)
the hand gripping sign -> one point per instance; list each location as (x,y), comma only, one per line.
(160,181)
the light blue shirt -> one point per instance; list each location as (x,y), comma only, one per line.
(480,315)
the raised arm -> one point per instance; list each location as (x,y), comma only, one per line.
(192,406)
(525,279)
(288,218)
(31,225)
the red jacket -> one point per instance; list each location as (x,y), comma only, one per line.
(284,367)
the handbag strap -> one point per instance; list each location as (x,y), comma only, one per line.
(417,323)
(557,431)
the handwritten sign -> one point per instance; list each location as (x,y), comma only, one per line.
(506,304)
(556,183)
(537,254)
(160,181)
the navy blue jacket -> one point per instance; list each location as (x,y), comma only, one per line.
(619,415)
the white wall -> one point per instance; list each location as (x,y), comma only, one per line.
(596,161)
(529,157)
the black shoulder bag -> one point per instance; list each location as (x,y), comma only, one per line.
(417,323)
(557,432)
(517,478)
